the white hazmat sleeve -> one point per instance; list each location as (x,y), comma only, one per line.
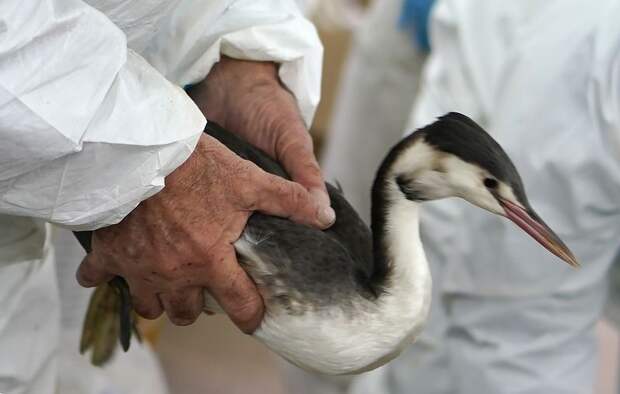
(88,128)
(191,40)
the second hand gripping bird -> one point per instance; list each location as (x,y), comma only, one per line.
(347,300)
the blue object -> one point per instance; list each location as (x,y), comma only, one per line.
(414,19)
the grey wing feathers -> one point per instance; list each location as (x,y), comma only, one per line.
(320,264)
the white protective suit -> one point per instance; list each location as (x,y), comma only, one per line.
(92,118)
(134,372)
(508,317)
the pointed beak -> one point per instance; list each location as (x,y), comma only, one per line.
(529,221)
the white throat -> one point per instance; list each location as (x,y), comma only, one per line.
(408,298)
(375,330)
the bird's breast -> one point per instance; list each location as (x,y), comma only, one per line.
(339,340)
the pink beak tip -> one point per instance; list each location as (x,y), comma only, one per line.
(537,229)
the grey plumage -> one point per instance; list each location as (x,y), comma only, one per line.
(307,268)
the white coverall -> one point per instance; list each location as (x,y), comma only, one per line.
(92,118)
(507,316)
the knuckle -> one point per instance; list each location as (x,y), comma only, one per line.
(247,195)
(242,170)
(132,250)
(296,195)
(246,188)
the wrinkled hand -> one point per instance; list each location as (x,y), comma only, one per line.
(179,241)
(248,99)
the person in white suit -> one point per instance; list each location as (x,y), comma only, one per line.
(98,133)
(544,79)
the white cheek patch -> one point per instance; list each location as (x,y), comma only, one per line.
(439,175)
(467,182)
(419,156)
(422,163)
(462,176)
(433,185)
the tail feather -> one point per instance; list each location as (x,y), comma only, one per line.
(109,320)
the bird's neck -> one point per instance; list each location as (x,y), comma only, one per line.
(401,275)
(398,253)
(397,249)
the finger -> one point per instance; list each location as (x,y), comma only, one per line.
(233,290)
(146,303)
(275,195)
(296,153)
(91,273)
(184,306)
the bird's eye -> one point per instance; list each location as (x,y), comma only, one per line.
(490,183)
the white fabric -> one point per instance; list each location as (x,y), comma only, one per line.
(507,316)
(135,372)
(29,301)
(93,117)
(77,95)
(380,80)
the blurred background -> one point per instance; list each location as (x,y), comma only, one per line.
(211,356)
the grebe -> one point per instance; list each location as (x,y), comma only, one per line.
(345,300)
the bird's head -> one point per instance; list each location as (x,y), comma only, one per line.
(455,157)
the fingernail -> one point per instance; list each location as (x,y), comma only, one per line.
(327,216)
(181,322)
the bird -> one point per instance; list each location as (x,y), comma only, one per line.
(350,298)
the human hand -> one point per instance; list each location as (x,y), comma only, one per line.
(179,241)
(247,98)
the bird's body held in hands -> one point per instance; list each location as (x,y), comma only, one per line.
(345,300)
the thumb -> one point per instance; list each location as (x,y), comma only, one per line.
(90,273)
(280,197)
